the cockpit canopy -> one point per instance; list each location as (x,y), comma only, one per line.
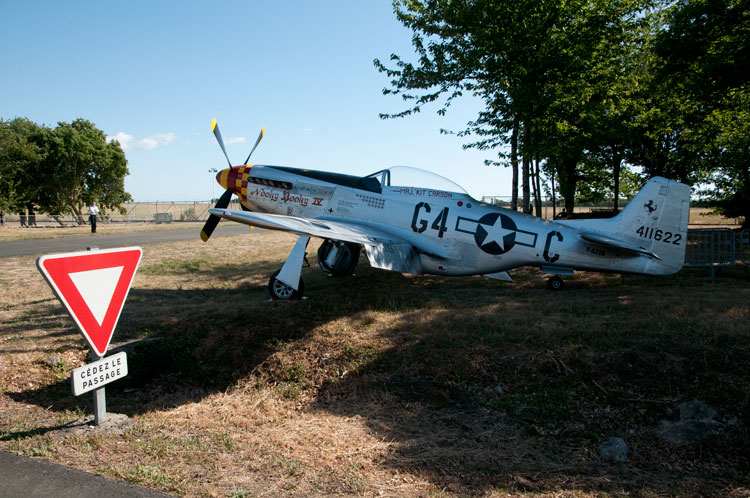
(396,176)
(406,176)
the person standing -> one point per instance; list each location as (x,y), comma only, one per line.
(32,216)
(93,212)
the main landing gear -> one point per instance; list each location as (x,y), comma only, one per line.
(336,258)
(282,292)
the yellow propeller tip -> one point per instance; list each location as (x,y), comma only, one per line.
(213,124)
(204,237)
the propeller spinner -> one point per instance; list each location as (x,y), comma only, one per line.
(226,197)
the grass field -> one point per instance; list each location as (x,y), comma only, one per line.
(384,384)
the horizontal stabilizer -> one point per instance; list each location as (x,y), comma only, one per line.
(615,243)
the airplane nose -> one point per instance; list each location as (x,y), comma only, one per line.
(233,178)
(226,177)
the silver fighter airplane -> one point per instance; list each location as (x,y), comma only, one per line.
(411,221)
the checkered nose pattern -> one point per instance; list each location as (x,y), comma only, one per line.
(234,179)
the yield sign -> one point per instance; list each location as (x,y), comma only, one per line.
(93,286)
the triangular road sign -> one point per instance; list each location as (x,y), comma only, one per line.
(93,286)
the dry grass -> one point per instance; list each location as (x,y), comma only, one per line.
(384,384)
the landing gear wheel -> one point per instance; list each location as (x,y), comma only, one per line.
(555,283)
(344,258)
(282,292)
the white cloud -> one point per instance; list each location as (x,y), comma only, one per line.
(124,139)
(128,141)
(236,140)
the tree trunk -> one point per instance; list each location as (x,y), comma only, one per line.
(616,165)
(534,192)
(525,185)
(77,212)
(525,172)
(567,176)
(554,199)
(538,189)
(514,166)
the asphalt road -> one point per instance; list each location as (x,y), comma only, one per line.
(102,241)
(35,478)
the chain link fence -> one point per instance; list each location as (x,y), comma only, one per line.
(135,212)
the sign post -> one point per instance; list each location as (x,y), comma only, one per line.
(93,286)
(100,400)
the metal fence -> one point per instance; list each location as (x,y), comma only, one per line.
(711,248)
(744,246)
(135,212)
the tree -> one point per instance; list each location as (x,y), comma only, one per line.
(19,153)
(539,66)
(80,167)
(60,170)
(703,72)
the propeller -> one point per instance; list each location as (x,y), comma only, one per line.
(213,220)
(260,137)
(217,134)
(226,197)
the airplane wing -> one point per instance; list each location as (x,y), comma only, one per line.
(384,250)
(615,243)
(347,232)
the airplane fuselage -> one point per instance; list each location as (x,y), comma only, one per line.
(454,233)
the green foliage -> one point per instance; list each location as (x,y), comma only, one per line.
(703,67)
(18,154)
(557,75)
(591,88)
(60,170)
(189,215)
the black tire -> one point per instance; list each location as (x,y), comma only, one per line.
(279,291)
(555,283)
(346,260)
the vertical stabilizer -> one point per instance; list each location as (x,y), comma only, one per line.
(656,219)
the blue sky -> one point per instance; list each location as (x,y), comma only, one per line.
(155,73)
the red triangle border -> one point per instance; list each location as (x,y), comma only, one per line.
(56,269)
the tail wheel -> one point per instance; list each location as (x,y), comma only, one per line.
(555,283)
(282,292)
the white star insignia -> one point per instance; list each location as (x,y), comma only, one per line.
(496,233)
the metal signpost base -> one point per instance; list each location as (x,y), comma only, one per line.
(100,400)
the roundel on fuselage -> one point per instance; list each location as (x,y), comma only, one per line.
(496,233)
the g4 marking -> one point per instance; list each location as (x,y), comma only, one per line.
(439,224)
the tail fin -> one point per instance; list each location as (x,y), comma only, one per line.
(656,219)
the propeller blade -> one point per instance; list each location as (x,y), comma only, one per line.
(260,137)
(217,134)
(213,220)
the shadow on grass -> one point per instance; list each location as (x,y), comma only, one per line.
(483,385)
